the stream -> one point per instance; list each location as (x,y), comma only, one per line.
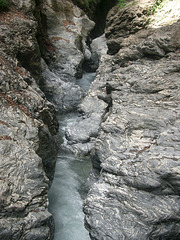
(68,188)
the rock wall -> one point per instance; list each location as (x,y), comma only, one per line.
(27,127)
(88,6)
(130,124)
(129,120)
(42,45)
(67,30)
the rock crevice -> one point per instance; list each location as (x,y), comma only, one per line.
(129,120)
(136,147)
(32,65)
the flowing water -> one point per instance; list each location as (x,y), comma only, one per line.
(68,187)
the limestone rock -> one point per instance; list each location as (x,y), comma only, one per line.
(81,135)
(138,153)
(67,29)
(136,150)
(98,48)
(65,95)
(27,128)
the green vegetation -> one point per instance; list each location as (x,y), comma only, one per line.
(3,5)
(156,6)
(150,11)
(88,1)
(124,3)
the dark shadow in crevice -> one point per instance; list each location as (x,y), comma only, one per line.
(100,15)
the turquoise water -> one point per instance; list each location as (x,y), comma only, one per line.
(86,81)
(65,198)
(68,187)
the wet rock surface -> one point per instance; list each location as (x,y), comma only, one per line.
(135,98)
(67,29)
(93,54)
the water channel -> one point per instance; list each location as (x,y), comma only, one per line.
(68,188)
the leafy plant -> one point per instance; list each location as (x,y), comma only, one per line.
(3,5)
(124,3)
(88,1)
(121,3)
(156,6)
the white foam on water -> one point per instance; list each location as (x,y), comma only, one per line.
(65,194)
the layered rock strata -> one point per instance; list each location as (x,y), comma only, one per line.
(129,119)
(42,45)
(27,127)
(130,123)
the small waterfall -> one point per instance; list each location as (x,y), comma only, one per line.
(68,187)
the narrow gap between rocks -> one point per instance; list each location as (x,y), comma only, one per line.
(69,185)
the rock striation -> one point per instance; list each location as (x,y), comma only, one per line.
(129,120)
(27,127)
(130,123)
(42,46)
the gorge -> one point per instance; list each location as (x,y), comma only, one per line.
(69,185)
(128,122)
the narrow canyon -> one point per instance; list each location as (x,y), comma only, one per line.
(89,120)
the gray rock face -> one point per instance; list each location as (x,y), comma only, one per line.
(98,48)
(67,29)
(27,126)
(23,181)
(136,148)
(121,24)
(28,121)
(129,123)
(138,152)
(80,136)
(65,95)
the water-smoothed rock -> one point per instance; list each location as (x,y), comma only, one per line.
(98,48)
(44,50)
(67,29)
(137,147)
(80,136)
(129,122)
(138,152)
(65,95)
